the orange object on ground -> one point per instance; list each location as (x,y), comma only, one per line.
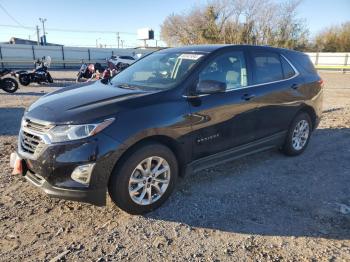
(18,168)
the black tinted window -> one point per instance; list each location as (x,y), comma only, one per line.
(288,71)
(267,67)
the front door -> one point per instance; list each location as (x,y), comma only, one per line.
(223,120)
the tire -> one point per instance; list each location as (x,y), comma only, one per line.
(120,185)
(9,85)
(79,76)
(49,78)
(291,146)
(24,79)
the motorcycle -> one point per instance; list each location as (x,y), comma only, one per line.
(38,75)
(113,69)
(8,84)
(96,71)
(89,71)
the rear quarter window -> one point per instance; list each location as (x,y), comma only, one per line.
(305,63)
(288,70)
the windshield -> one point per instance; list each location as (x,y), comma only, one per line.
(157,71)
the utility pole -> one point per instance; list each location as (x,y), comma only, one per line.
(43,20)
(37,34)
(118,38)
(122,41)
(97,41)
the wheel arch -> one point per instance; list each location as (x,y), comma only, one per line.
(169,142)
(311,112)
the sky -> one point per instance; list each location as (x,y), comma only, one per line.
(126,17)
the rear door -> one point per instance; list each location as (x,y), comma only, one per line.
(276,85)
(223,120)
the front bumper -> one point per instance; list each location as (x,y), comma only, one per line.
(96,197)
(51,170)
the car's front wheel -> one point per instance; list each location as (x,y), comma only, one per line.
(298,135)
(144,179)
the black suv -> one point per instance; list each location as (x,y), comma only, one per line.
(173,111)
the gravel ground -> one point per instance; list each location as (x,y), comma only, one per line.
(266,207)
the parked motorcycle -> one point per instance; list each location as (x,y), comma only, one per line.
(39,75)
(113,69)
(8,84)
(89,71)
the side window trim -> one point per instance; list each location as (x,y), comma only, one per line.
(296,72)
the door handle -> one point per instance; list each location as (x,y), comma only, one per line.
(295,86)
(248,96)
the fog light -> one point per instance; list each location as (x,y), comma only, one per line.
(82,174)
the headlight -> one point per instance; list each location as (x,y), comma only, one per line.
(73,132)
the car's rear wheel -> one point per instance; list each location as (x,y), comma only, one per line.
(145,179)
(298,135)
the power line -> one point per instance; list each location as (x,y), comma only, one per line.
(71,30)
(89,31)
(9,15)
(15,26)
(108,39)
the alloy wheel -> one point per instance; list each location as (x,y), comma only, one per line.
(300,134)
(149,180)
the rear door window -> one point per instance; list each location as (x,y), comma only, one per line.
(267,67)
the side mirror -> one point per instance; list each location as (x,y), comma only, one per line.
(210,87)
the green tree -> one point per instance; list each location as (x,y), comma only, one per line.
(211,32)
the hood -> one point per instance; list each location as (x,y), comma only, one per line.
(81,103)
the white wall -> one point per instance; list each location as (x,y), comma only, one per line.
(19,56)
(330,59)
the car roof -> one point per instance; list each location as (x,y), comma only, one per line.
(212,48)
(194,48)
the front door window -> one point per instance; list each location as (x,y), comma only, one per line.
(229,68)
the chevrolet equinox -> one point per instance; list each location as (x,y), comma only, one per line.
(172,112)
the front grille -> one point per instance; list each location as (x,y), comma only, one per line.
(30,142)
(39,127)
(31,134)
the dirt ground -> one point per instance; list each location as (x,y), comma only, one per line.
(266,207)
